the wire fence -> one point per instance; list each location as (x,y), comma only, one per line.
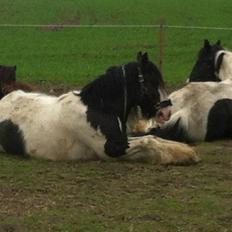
(160,31)
(162,26)
(118,26)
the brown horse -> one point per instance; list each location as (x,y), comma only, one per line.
(8,82)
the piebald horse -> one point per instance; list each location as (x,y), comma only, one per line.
(91,124)
(202,110)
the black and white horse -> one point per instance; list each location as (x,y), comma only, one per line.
(214,63)
(202,110)
(91,124)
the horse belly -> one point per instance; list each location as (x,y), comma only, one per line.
(60,149)
(56,140)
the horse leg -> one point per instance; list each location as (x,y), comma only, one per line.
(160,151)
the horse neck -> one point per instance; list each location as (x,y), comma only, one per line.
(225,71)
(107,94)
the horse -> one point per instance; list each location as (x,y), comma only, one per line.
(8,82)
(202,110)
(91,124)
(214,63)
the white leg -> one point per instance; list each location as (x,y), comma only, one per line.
(159,151)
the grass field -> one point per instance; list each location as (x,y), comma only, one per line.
(37,195)
(75,56)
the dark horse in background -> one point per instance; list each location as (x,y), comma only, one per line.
(8,82)
(91,124)
(202,110)
(214,63)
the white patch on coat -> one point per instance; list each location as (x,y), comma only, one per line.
(225,71)
(163,94)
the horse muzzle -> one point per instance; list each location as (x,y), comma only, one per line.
(163,111)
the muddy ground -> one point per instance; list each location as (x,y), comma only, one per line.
(37,195)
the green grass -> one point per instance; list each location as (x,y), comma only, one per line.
(37,195)
(76,56)
(202,12)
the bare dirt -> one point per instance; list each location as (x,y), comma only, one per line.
(38,195)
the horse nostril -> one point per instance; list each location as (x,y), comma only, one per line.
(160,114)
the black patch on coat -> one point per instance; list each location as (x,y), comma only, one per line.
(219,123)
(104,98)
(117,142)
(173,132)
(11,138)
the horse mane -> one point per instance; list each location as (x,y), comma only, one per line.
(106,93)
(104,98)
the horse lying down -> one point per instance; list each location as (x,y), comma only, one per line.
(202,110)
(91,125)
(214,63)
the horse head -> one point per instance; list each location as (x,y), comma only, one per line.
(7,79)
(151,94)
(208,63)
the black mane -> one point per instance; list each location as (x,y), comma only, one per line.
(106,93)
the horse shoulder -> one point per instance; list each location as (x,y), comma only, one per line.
(75,126)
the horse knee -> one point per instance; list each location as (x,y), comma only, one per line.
(115,149)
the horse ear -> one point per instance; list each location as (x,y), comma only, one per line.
(218,42)
(15,67)
(206,44)
(145,58)
(142,58)
(139,56)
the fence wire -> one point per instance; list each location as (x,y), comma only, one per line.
(117,26)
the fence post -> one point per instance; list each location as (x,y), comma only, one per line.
(161,44)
